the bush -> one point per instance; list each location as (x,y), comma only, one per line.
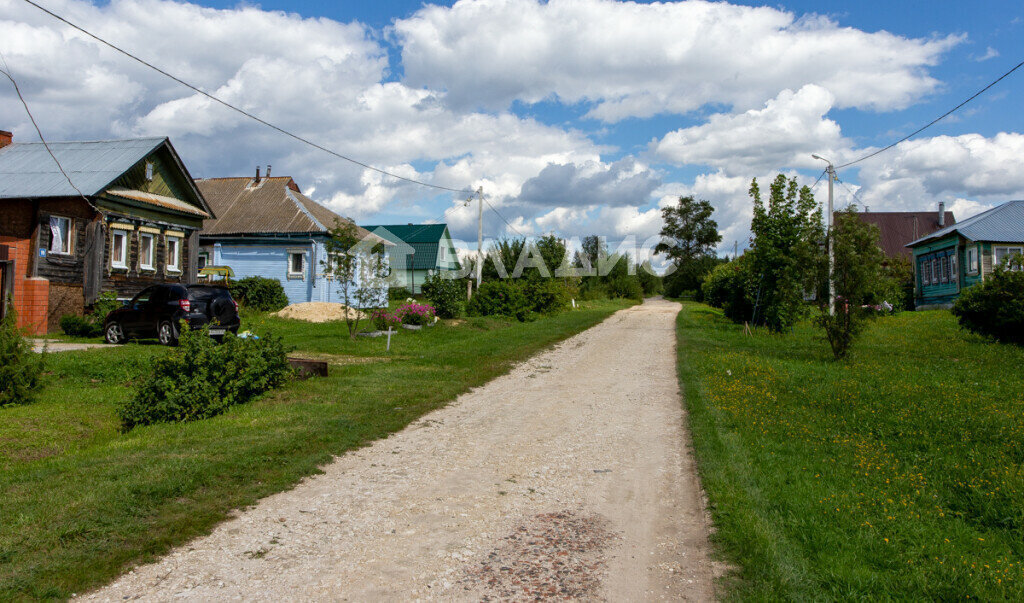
(626,286)
(80,326)
(499,298)
(259,293)
(546,295)
(201,379)
(445,294)
(416,314)
(398,293)
(726,287)
(20,367)
(995,307)
(383,319)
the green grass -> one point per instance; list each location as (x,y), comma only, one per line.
(894,475)
(81,501)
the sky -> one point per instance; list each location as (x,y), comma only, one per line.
(576,117)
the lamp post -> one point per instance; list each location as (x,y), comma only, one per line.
(831,256)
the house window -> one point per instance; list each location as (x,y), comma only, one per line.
(60,235)
(173,254)
(943,269)
(953,273)
(202,260)
(296,264)
(149,171)
(146,252)
(118,249)
(924,272)
(935,270)
(972,260)
(1004,253)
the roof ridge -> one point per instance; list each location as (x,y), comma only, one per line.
(106,140)
(291,194)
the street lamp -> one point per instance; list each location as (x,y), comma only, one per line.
(831,256)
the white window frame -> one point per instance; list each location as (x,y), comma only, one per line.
(301,274)
(954,273)
(203,257)
(923,267)
(149,171)
(68,247)
(173,260)
(935,270)
(972,260)
(1007,252)
(944,269)
(125,236)
(152,252)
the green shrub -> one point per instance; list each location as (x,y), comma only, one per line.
(106,304)
(546,295)
(79,326)
(200,379)
(20,367)
(445,294)
(398,293)
(995,307)
(499,298)
(259,293)
(725,287)
(626,286)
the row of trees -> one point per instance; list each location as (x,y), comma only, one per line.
(785,271)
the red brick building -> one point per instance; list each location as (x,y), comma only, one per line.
(129,217)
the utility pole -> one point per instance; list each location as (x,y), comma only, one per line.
(480,238)
(831,254)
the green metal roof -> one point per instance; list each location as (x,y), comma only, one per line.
(423,241)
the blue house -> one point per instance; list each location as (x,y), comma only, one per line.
(267,227)
(948,261)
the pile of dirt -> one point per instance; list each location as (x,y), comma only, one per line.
(318,312)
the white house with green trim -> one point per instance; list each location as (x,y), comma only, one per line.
(949,260)
(420,249)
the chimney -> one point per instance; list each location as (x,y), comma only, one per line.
(257,181)
(6,138)
(268,170)
(942,214)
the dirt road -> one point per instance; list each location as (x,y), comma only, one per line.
(568,477)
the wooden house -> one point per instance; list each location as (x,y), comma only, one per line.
(420,250)
(897,228)
(122,215)
(951,259)
(266,227)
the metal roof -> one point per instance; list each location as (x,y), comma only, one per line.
(897,228)
(422,241)
(272,206)
(1001,224)
(27,170)
(158,200)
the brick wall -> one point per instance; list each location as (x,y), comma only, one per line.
(31,295)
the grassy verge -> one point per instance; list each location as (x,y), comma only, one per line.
(894,475)
(82,501)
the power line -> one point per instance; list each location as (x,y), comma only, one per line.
(509,224)
(242,111)
(7,71)
(934,121)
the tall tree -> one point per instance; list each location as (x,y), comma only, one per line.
(787,233)
(690,231)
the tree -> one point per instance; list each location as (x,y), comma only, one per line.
(787,233)
(20,367)
(359,269)
(690,232)
(859,276)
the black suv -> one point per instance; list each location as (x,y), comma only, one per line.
(158,310)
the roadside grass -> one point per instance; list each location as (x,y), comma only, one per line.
(894,475)
(81,502)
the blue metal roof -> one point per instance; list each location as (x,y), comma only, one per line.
(1002,224)
(27,170)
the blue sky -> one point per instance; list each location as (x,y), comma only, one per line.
(576,117)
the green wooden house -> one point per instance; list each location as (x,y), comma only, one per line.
(949,260)
(420,249)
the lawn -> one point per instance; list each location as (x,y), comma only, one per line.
(81,501)
(894,475)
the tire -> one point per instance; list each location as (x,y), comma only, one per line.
(165,333)
(114,334)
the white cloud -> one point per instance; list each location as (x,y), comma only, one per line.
(624,182)
(632,59)
(990,53)
(782,134)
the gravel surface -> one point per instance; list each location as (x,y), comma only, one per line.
(570,477)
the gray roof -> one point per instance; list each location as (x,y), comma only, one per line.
(27,170)
(1002,224)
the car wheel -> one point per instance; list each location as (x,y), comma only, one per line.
(165,333)
(114,333)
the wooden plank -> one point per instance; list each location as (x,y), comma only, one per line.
(305,368)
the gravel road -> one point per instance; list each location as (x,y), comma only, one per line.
(570,477)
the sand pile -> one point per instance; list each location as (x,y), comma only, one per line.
(318,312)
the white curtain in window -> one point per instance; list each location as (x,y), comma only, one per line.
(56,236)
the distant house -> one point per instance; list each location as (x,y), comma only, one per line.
(420,249)
(266,227)
(131,219)
(897,228)
(951,259)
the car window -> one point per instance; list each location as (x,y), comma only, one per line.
(143,296)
